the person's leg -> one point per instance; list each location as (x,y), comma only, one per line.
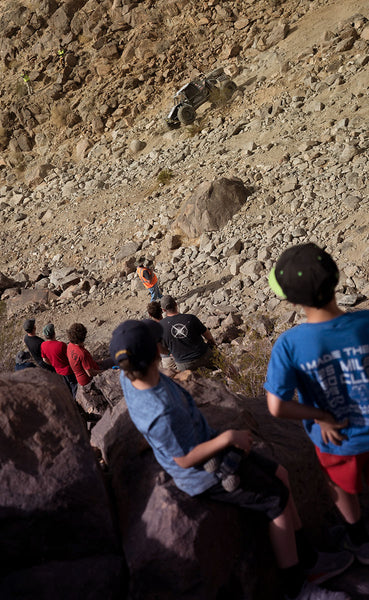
(282,537)
(155,292)
(296,557)
(262,488)
(347,504)
(73,385)
(344,477)
(282,474)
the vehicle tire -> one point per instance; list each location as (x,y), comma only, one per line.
(186,114)
(227,89)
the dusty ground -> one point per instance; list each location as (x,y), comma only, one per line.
(120,212)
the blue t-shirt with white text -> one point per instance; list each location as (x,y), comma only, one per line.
(328,364)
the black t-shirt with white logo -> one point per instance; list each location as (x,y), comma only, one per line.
(33,343)
(183,337)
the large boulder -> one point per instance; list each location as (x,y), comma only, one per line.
(29,297)
(36,173)
(177,546)
(211,206)
(57,531)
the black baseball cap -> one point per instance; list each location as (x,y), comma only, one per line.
(305,274)
(167,302)
(133,340)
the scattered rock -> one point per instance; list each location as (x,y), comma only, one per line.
(212,205)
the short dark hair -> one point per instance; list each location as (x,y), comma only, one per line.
(77,333)
(29,325)
(155,310)
(130,372)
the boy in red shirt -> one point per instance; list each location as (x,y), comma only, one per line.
(54,353)
(85,368)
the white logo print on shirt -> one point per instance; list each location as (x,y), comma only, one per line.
(179,331)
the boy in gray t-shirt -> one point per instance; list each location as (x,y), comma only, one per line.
(182,442)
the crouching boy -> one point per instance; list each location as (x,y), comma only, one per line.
(182,442)
(326,360)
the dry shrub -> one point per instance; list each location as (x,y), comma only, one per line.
(244,370)
(165,176)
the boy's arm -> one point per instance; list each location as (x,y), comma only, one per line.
(92,372)
(202,452)
(292,410)
(209,338)
(89,365)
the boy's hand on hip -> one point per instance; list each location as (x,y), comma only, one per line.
(331,429)
(242,439)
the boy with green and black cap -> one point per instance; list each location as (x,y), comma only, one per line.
(326,360)
(182,442)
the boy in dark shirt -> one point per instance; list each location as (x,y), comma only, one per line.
(33,343)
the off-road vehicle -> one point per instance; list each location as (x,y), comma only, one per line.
(213,87)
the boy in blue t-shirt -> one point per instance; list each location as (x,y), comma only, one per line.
(183,442)
(326,360)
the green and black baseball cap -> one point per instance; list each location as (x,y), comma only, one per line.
(305,274)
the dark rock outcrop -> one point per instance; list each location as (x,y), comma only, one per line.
(5,282)
(58,538)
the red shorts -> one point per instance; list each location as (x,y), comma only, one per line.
(346,471)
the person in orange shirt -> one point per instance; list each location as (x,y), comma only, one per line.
(149,279)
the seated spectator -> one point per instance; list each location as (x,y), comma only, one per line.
(85,368)
(155,310)
(23,360)
(184,337)
(54,353)
(33,343)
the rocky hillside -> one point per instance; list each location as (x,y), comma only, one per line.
(91,178)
